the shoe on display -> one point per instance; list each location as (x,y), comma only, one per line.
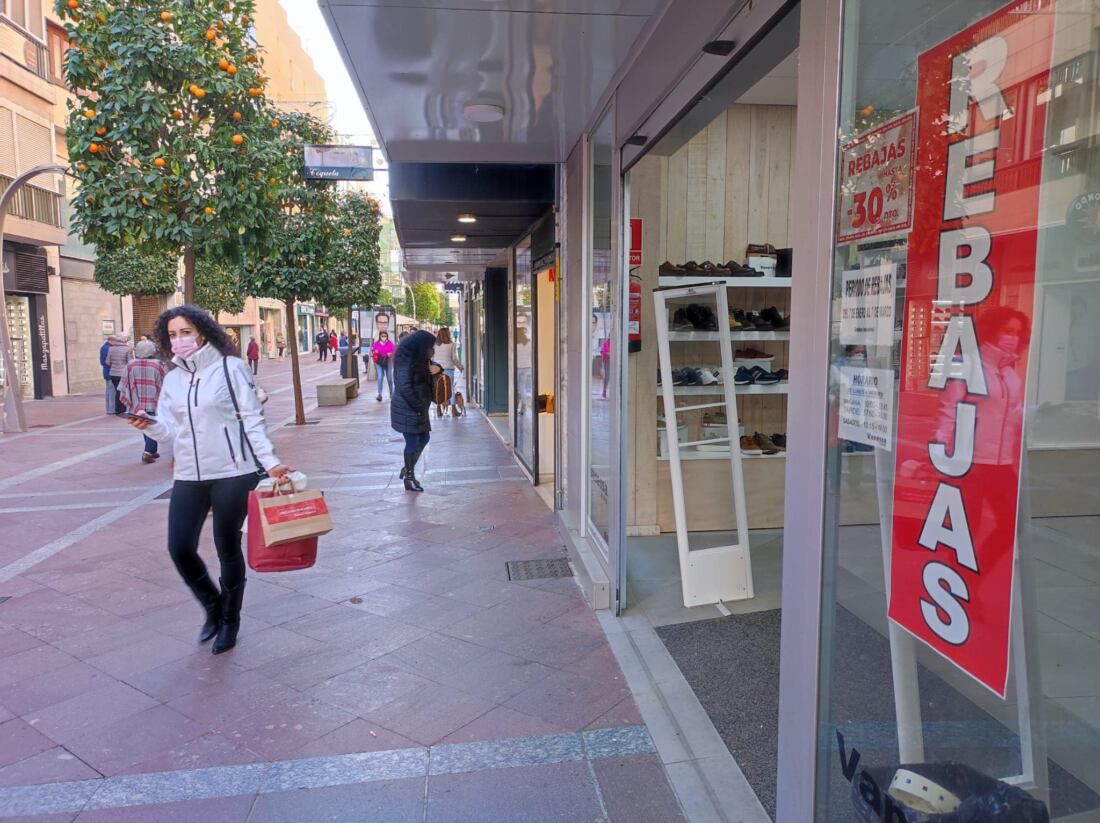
(701,317)
(780,441)
(782,374)
(760,323)
(752,357)
(740,270)
(707,377)
(669,268)
(743,377)
(749,446)
(678,377)
(772,315)
(717,271)
(680,320)
(691,267)
(761,250)
(763,377)
(735,324)
(692,377)
(765,444)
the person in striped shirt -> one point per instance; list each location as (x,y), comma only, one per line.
(139,389)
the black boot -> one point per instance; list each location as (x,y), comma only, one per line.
(231,619)
(409,474)
(210,598)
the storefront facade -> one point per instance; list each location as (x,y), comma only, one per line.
(923,289)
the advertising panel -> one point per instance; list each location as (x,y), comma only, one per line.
(969,306)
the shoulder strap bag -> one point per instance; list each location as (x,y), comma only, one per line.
(240,419)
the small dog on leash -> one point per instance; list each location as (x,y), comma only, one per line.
(460,404)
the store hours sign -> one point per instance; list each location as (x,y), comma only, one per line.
(971,267)
(876,181)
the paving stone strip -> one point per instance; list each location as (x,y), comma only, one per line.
(159,788)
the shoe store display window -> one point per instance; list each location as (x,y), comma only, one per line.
(960,639)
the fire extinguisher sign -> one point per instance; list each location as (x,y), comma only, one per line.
(635,242)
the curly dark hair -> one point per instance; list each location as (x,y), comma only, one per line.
(204,324)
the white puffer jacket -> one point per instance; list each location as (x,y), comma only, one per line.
(196,413)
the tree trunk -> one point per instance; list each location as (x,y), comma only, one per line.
(189,275)
(351,314)
(295,369)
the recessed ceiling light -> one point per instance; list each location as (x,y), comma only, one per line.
(467,218)
(458,238)
(483,112)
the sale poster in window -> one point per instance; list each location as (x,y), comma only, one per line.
(876,181)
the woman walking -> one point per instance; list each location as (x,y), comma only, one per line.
(139,389)
(445,357)
(411,402)
(254,356)
(280,344)
(209,409)
(382,355)
(118,356)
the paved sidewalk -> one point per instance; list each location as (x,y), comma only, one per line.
(402,678)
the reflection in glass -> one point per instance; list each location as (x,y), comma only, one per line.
(526,405)
(601,332)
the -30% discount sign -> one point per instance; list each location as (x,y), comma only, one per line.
(876,181)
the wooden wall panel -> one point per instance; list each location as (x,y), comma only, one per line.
(697,197)
(738,157)
(715,194)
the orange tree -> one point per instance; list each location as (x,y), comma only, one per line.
(354,275)
(169,126)
(289,261)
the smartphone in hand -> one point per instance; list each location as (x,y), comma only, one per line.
(144,416)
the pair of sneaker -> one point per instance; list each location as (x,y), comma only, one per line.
(756,376)
(694,317)
(691,376)
(759,443)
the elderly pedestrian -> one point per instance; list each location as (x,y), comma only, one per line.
(118,355)
(109,385)
(139,389)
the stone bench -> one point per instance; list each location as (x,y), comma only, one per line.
(337,393)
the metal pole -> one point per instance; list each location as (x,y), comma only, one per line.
(13,419)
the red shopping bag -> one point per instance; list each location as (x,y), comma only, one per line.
(285,557)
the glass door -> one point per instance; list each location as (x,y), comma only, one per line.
(524,362)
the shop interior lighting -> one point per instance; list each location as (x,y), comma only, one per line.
(467,218)
(483,112)
(722,48)
(458,238)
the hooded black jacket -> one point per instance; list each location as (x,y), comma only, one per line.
(412,396)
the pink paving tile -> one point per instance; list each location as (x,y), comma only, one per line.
(36,660)
(564,792)
(624,714)
(89,711)
(95,642)
(256,647)
(569,700)
(501,723)
(285,606)
(220,809)
(436,656)
(497,676)
(114,748)
(580,618)
(451,709)
(354,629)
(19,740)
(481,592)
(368,687)
(599,664)
(301,671)
(209,750)
(342,587)
(352,738)
(42,818)
(56,765)
(391,801)
(532,604)
(70,577)
(55,686)
(387,600)
(279,731)
(127,596)
(437,613)
(141,656)
(637,789)
(184,675)
(52,616)
(216,703)
(550,645)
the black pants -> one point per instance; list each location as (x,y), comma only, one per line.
(255,364)
(191,500)
(324,353)
(119,408)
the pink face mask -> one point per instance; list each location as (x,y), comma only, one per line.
(184,347)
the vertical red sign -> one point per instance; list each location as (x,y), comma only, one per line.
(635,242)
(969,305)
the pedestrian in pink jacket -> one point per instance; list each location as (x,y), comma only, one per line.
(382,355)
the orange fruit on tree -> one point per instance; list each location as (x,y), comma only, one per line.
(255,92)
(221,26)
(236,115)
(208,210)
(82,167)
(94,148)
(244,19)
(211,34)
(197,91)
(166,16)
(74,4)
(232,69)
(144,202)
(275,123)
(176,113)
(101,17)
(89,113)
(238,139)
(102,130)
(160,163)
(223,64)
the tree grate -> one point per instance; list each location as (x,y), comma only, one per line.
(538,569)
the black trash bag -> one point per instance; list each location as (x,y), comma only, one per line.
(984,799)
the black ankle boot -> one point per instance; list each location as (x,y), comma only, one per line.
(408,474)
(208,595)
(231,619)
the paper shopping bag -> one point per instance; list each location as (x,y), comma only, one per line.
(285,518)
(285,557)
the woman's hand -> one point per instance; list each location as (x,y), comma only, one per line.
(435,369)
(280,473)
(140,421)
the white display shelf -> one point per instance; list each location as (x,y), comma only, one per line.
(688,391)
(735,336)
(730,282)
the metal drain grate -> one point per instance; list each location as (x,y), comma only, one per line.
(538,569)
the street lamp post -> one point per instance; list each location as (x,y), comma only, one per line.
(13,419)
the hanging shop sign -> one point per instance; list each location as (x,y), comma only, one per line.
(635,242)
(876,181)
(867,306)
(339,162)
(971,276)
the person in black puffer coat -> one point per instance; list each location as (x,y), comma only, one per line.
(413,370)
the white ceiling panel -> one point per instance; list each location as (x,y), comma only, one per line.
(546,62)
